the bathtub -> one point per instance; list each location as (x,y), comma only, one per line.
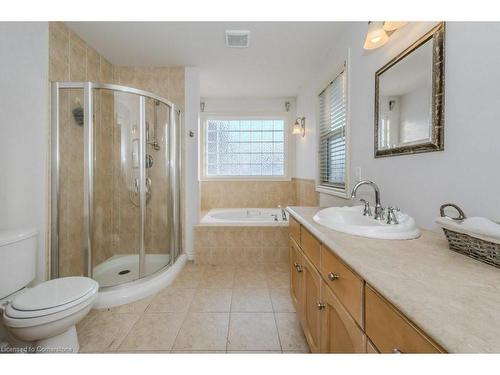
(256,217)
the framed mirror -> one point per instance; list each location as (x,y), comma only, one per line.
(409,99)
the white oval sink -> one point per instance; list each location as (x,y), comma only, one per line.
(351,220)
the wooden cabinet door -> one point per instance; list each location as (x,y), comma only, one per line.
(296,278)
(390,330)
(339,331)
(311,322)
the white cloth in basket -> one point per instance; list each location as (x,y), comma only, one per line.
(479,227)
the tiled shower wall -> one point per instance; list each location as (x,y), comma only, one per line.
(235,194)
(71,59)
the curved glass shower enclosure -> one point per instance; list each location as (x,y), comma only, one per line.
(115,182)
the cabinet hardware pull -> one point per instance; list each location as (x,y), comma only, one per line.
(333,276)
(396,351)
(297,267)
(321,306)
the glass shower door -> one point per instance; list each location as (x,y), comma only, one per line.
(117,221)
(158,208)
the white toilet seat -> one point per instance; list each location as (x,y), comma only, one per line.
(66,295)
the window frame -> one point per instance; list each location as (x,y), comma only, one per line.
(285,116)
(330,190)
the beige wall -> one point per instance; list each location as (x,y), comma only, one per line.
(234,194)
(116,226)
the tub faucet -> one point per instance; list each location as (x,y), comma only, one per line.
(283,213)
(379,211)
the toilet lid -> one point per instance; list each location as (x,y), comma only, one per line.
(54,293)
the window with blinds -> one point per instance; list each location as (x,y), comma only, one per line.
(332,134)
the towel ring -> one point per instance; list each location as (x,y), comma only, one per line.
(461,215)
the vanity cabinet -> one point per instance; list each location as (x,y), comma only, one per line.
(339,312)
(339,331)
(391,331)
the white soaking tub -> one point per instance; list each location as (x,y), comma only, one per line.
(245,217)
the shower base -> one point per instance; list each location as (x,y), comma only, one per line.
(119,281)
(121,269)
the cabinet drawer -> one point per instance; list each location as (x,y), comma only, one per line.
(346,285)
(310,246)
(390,331)
(294,229)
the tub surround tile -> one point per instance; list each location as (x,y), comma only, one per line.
(253,331)
(203,331)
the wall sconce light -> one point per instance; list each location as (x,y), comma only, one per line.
(299,127)
(379,32)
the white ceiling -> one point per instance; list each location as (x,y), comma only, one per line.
(281,56)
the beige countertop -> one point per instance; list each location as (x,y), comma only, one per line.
(454,299)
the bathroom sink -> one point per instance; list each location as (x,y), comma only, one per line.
(351,220)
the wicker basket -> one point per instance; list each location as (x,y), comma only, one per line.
(484,251)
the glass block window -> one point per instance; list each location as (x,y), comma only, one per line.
(245,147)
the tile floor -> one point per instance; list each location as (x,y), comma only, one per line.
(212,309)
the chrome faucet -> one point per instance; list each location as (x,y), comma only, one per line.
(283,213)
(379,211)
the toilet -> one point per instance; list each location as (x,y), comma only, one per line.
(41,318)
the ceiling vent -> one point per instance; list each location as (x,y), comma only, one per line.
(237,38)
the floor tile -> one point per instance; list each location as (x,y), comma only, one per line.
(253,331)
(105,331)
(218,277)
(281,300)
(153,332)
(278,279)
(277,267)
(134,307)
(212,300)
(189,277)
(251,300)
(203,331)
(250,279)
(254,352)
(172,300)
(290,332)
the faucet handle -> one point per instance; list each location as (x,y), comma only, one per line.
(391,215)
(367,211)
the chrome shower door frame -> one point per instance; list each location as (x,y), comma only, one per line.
(89,158)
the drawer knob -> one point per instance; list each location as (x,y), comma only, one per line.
(396,351)
(333,276)
(297,267)
(321,306)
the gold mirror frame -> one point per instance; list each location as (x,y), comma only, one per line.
(436,143)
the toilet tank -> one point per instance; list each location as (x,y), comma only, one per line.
(17,259)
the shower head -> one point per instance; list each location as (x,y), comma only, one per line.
(78,115)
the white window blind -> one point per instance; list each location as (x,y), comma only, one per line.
(245,147)
(332,134)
